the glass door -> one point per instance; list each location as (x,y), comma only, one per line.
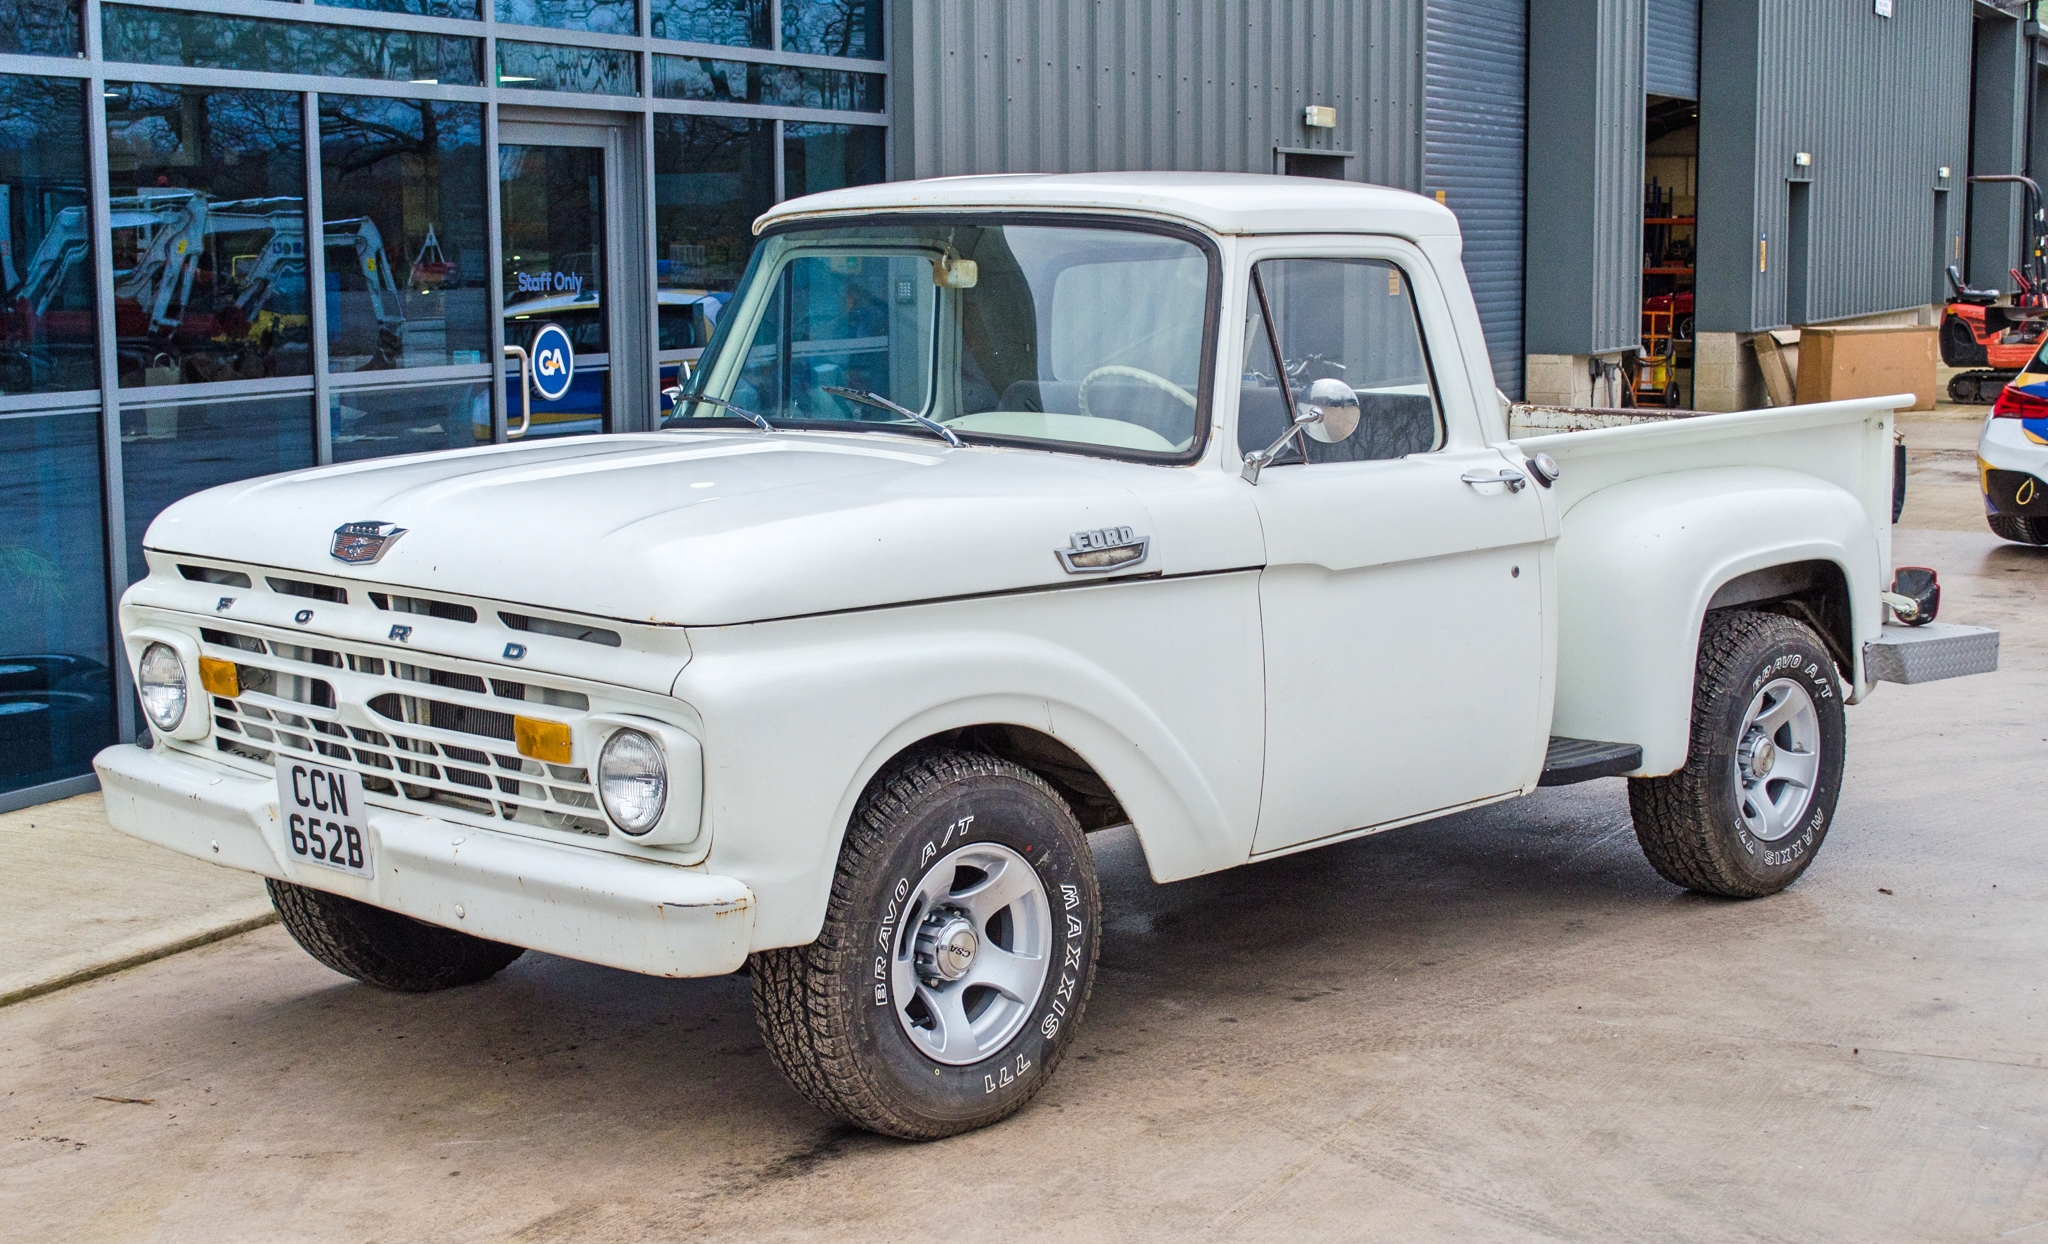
(554,211)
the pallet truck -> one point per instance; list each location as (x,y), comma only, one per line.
(1984,330)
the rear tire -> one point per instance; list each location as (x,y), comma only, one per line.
(883,1020)
(2018,528)
(1763,769)
(383,948)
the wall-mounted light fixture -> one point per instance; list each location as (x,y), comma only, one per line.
(1804,159)
(1316,116)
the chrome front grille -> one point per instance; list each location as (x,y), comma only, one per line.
(426,736)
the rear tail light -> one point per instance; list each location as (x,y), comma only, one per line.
(2012,403)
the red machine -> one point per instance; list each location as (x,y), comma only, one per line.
(1986,331)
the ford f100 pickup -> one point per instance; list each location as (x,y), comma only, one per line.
(1001,510)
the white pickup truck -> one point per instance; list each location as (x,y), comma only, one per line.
(1002,510)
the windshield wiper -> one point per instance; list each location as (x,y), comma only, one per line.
(877,400)
(758,420)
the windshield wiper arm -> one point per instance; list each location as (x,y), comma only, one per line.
(877,400)
(758,420)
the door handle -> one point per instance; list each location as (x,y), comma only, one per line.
(525,392)
(1515,480)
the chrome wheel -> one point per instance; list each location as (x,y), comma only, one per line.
(971,954)
(1777,760)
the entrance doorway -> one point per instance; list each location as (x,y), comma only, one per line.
(567,230)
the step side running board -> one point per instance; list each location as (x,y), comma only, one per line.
(1582,760)
(1930,653)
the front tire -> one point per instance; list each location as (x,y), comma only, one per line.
(1754,801)
(383,948)
(2018,528)
(956,957)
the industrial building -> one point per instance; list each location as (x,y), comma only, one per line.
(1633,176)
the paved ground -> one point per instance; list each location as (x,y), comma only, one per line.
(1498,1026)
(76,898)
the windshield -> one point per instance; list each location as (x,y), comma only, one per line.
(1080,335)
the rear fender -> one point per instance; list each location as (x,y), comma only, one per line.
(1637,565)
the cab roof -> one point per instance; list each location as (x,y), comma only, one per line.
(1225,203)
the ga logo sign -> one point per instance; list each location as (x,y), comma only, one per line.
(554,363)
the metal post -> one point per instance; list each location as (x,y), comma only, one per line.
(112,492)
(316,280)
(494,227)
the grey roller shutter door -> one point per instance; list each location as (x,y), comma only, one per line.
(1671,38)
(1475,128)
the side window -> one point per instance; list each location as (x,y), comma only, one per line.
(1346,320)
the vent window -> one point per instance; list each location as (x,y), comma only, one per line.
(560,629)
(311,591)
(213,574)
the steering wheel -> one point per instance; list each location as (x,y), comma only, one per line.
(1135,373)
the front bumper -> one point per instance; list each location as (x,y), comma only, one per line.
(660,919)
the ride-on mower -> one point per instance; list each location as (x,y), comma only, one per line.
(1988,332)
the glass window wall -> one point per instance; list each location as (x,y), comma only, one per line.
(553,67)
(833,27)
(172,446)
(735,23)
(465,9)
(47,327)
(608,17)
(213,41)
(829,157)
(40,27)
(209,234)
(56,698)
(378,422)
(402,201)
(712,177)
(746,82)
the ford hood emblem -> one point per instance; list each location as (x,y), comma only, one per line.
(363,543)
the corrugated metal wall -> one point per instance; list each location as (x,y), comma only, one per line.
(1998,137)
(1671,49)
(1094,85)
(1585,248)
(1881,103)
(1475,128)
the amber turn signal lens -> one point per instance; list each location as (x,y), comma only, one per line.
(541,740)
(219,677)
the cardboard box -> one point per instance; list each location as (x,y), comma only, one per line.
(1777,356)
(1839,363)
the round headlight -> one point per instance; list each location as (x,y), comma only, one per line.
(633,781)
(160,682)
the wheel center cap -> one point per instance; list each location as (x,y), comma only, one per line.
(946,945)
(1763,757)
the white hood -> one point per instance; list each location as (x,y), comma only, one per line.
(699,528)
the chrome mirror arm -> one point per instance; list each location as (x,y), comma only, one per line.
(1259,460)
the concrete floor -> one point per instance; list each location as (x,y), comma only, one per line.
(77,898)
(1498,1026)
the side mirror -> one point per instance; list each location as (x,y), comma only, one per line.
(1309,418)
(1337,411)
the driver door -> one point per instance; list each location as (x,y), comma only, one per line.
(1402,605)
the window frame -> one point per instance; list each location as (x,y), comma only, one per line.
(1462,424)
(1255,288)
